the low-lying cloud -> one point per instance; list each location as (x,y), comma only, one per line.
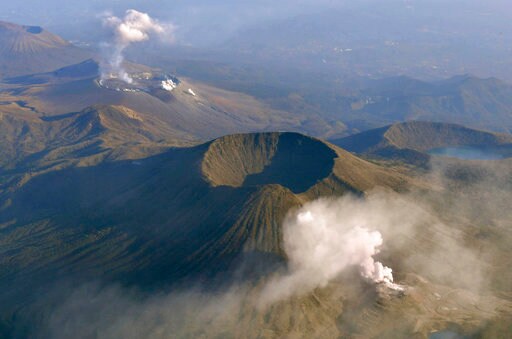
(325,241)
(328,236)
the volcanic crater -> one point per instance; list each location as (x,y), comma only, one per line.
(292,160)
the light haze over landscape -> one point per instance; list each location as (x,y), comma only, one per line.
(255,169)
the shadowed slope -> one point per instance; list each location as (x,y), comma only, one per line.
(87,137)
(174,207)
(163,219)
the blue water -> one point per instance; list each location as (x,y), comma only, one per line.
(466,153)
(445,335)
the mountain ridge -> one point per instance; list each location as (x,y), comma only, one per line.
(31,49)
(411,140)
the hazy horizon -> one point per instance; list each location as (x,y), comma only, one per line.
(255,169)
(422,38)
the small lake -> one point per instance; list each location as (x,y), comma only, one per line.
(446,335)
(466,153)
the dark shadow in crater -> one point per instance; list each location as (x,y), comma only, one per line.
(298,164)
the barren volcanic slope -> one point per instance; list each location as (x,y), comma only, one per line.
(186,211)
(210,113)
(31,145)
(228,171)
(194,213)
(31,49)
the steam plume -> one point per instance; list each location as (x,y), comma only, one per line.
(327,237)
(322,239)
(134,27)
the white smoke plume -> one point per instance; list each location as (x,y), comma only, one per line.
(134,27)
(326,237)
(322,240)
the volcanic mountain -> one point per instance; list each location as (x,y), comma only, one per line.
(195,213)
(178,213)
(211,113)
(31,49)
(410,141)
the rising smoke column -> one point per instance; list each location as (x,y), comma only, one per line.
(134,27)
(325,238)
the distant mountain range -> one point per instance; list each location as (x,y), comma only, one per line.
(467,100)
(363,103)
(311,104)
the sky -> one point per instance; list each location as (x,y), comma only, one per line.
(210,21)
(480,32)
